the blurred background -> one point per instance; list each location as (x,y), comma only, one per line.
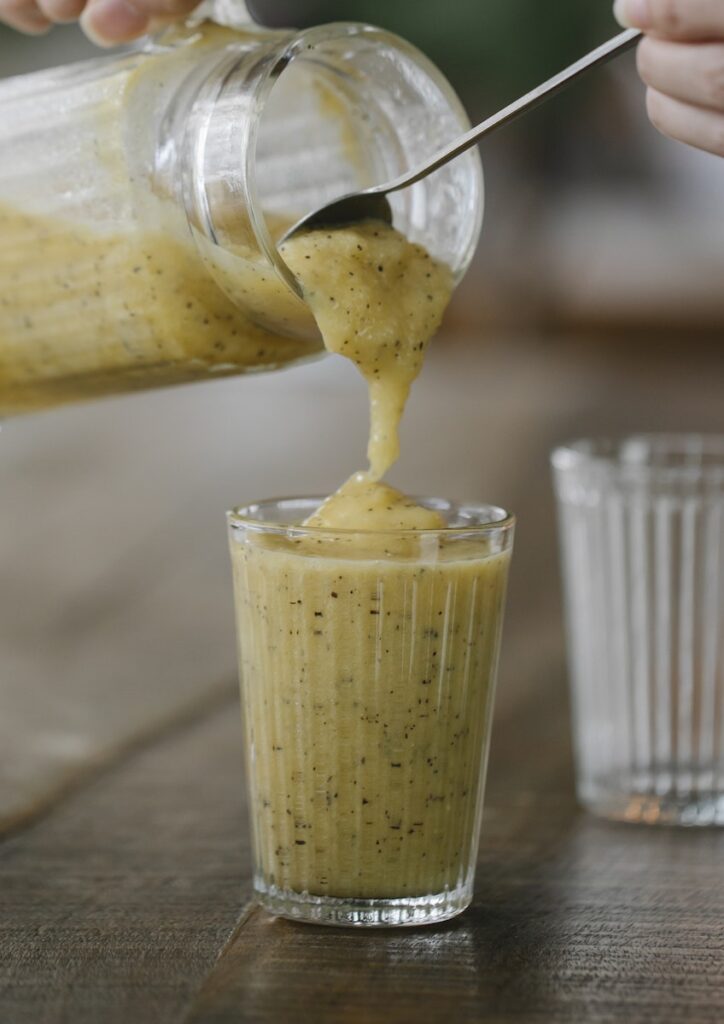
(595,305)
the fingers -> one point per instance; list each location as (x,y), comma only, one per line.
(688,72)
(686,90)
(110,22)
(686,20)
(37,16)
(24,15)
(701,128)
(681,59)
(60,11)
(105,22)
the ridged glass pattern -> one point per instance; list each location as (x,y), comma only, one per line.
(642,540)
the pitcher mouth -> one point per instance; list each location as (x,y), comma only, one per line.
(299,44)
(414,207)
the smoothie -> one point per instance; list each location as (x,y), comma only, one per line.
(368,681)
(378,300)
(87,313)
(105,285)
(368,639)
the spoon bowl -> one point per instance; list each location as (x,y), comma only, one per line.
(370,204)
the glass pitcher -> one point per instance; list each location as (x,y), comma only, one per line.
(141,197)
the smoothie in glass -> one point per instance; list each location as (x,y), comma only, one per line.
(368,668)
(368,627)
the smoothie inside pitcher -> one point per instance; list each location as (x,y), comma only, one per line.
(141,213)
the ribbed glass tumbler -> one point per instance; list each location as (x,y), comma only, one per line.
(368,663)
(642,539)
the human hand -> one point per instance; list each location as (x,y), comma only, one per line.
(105,22)
(681,60)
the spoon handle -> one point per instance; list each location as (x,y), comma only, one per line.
(601,55)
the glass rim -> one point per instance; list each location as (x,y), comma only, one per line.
(248,516)
(696,454)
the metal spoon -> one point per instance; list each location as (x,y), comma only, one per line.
(372,202)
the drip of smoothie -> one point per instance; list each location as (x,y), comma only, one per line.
(378,299)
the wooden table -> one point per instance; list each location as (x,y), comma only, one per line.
(124,888)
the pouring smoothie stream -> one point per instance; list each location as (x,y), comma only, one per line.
(368,639)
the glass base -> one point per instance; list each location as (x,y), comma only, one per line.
(359,913)
(644,805)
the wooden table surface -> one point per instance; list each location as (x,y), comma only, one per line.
(124,867)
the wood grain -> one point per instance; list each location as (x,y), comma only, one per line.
(574,920)
(113,908)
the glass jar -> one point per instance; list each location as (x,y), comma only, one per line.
(142,195)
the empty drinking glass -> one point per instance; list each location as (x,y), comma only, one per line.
(642,538)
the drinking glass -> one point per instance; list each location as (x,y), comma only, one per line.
(642,540)
(368,663)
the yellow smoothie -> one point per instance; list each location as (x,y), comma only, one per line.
(85,313)
(103,286)
(378,300)
(368,642)
(368,684)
